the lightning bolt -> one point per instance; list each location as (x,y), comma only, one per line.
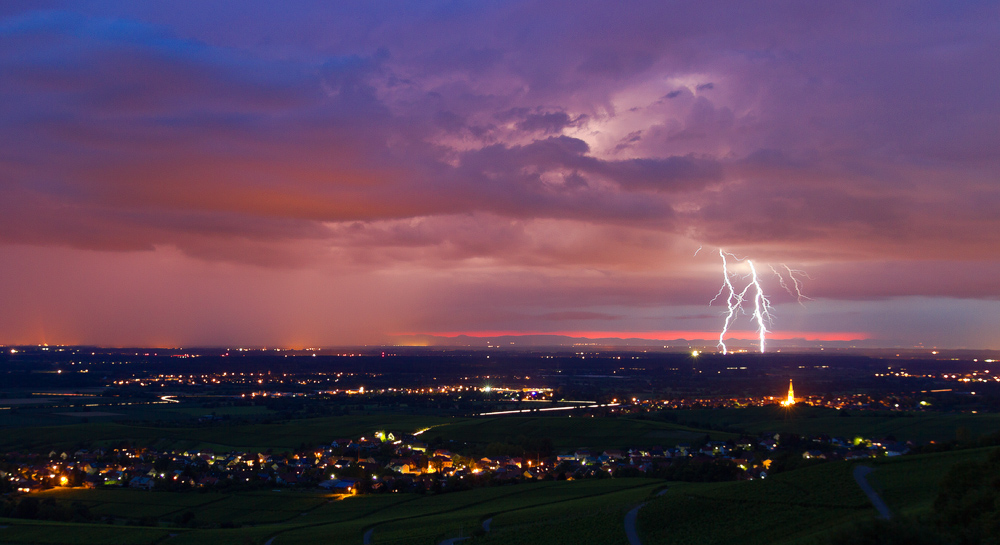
(734,301)
(753,290)
(761,306)
(795,289)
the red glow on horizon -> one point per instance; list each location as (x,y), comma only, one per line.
(666,335)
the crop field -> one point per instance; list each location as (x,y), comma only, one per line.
(908,484)
(817,420)
(569,433)
(241,508)
(785,508)
(593,507)
(790,508)
(566,432)
(54,533)
(795,507)
(598,518)
(250,437)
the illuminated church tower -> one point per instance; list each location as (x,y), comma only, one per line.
(791,395)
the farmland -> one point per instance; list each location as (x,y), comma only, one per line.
(925,426)
(570,433)
(303,517)
(566,433)
(796,507)
(239,468)
(256,436)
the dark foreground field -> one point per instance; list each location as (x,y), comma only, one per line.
(797,507)
(800,506)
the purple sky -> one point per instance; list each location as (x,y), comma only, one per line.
(321,173)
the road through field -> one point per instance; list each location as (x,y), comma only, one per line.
(630,518)
(860,472)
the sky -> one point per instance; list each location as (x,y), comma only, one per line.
(301,173)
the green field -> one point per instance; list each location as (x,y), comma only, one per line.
(817,420)
(794,508)
(783,508)
(908,484)
(246,437)
(798,507)
(520,514)
(570,433)
(566,433)
(174,428)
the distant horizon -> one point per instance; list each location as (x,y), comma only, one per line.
(544,341)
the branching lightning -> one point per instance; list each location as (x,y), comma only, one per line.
(761,306)
(734,301)
(753,290)
(795,289)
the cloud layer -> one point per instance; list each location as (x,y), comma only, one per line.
(531,164)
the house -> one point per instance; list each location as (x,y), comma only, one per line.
(208,481)
(340,486)
(142,483)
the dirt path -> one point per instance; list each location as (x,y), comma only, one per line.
(860,472)
(630,519)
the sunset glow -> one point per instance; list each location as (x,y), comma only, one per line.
(319,174)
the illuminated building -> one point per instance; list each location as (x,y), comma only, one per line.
(791,395)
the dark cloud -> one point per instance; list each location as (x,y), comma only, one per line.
(503,139)
(547,123)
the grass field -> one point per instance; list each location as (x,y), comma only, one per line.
(249,437)
(794,508)
(566,433)
(37,432)
(570,433)
(595,519)
(908,484)
(818,420)
(780,509)
(520,514)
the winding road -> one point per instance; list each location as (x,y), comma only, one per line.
(860,472)
(630,518)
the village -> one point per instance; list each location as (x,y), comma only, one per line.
(385,462)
